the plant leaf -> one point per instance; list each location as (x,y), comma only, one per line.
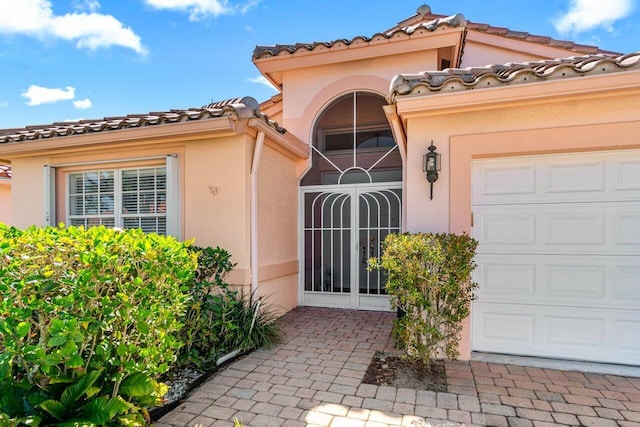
(137,385)
(102,410)
(54,407)
(23,329)
(74,392)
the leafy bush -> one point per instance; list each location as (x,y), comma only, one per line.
(88,319)
(222,319)
(429,279)
(205,316)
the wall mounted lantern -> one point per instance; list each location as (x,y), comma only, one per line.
(431,166)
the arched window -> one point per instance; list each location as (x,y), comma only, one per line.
(353,143)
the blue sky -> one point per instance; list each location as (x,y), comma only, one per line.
(71,59)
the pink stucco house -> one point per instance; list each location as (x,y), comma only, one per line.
(540,161)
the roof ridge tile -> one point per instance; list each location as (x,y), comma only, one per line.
(457,79)
(245,107)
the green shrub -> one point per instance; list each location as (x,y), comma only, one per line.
(205,316)
(88,320)
(429,279)
(222,319)
(255,322)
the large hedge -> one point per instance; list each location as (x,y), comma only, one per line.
(429,281)
(88,320)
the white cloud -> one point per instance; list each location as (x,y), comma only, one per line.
(91,30)
(263,81)
(585,15)
(244,8)
(82,104)
(86,5)
(41,95)
(201,9)
(4,104)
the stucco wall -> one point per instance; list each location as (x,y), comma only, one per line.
(308,90)
(219,219)
(277,229)
(26,188)
(433,215)
(479,55)
(5,202)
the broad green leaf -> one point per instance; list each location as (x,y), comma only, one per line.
(121,350)
(137,385)
(102,410)
(57,340)
(75,361)
(92,391)
(74,392)
(32,420)
(53,359)
(61,379)
(54,407)
(5,365)
(132,420)
(23,329)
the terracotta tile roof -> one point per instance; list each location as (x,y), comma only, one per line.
(246,107)
(5,171)
(452,21)
(429,21)
(521,35)
(424,13)
(460,79)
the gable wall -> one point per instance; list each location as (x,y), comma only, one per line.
(308,90)
(479,55)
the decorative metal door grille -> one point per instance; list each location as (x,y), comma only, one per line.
(339,237)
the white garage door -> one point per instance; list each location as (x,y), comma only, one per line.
(559,256)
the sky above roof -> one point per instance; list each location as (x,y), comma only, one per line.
(85,59)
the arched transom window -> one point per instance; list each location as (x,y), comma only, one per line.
(353,143)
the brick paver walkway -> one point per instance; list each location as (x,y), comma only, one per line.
(314,379)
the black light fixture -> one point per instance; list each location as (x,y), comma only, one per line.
(431,166)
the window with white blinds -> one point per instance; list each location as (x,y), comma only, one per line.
(127,198)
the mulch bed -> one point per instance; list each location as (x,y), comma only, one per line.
(403,372)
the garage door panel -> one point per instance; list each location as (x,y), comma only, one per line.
(586,177)
(627,174)
(626,333)
(507,180)
(574,281)
(562,332)
(560,228)
(505,279)
(627,283)
(573,332)
(627,228)
(574,228)
(513,228)
(572,176)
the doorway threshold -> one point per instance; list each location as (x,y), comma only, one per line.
(559,364)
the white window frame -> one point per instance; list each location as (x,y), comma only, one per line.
(173,201)
(117,214)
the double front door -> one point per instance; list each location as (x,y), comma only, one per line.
(343,227)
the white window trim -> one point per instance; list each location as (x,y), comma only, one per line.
(172,164)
